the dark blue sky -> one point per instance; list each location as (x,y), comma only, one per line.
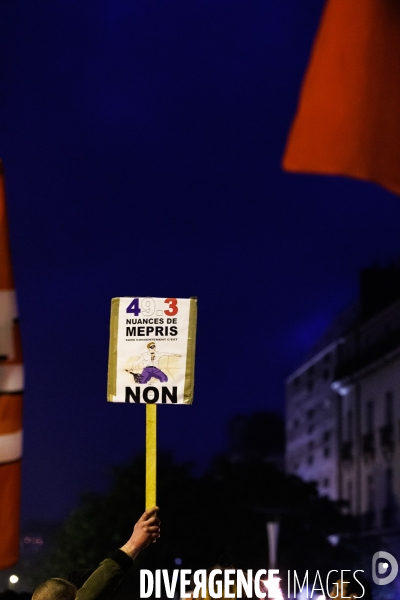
(141,142)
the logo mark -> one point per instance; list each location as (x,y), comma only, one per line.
(383,567)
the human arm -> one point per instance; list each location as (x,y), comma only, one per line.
(146,530)
(111,571)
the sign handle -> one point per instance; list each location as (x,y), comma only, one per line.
(151,455)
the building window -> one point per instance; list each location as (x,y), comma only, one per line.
(296,423)
(370,417)
(310,414)
(325,440)
(390,500)
(370,493)
(310,429)
(327,358)
(310,460)
(296,382)
(349,425)
(326,482)
(389,408)
(311,445)
(350,494)
(325,374)
(327,436)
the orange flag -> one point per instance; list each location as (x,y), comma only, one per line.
(11,386)
(348,118)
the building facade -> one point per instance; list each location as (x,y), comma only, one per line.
(343,418)
(367,381)
(312,443)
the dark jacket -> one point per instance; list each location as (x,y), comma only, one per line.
(105,579)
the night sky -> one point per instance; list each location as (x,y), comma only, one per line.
(141,142)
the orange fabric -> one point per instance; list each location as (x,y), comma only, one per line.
(17,353)
(348,118)
(10,413)
(10,483)
(6,276)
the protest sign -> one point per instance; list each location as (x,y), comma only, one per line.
(152,346)
(151,361)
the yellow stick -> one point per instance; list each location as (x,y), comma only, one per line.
(151,455)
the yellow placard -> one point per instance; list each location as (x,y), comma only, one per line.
(151,455)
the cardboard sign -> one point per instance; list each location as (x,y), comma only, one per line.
(152,348)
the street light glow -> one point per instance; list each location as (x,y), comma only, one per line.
(14,578)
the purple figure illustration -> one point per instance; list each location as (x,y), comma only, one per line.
(150,360)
